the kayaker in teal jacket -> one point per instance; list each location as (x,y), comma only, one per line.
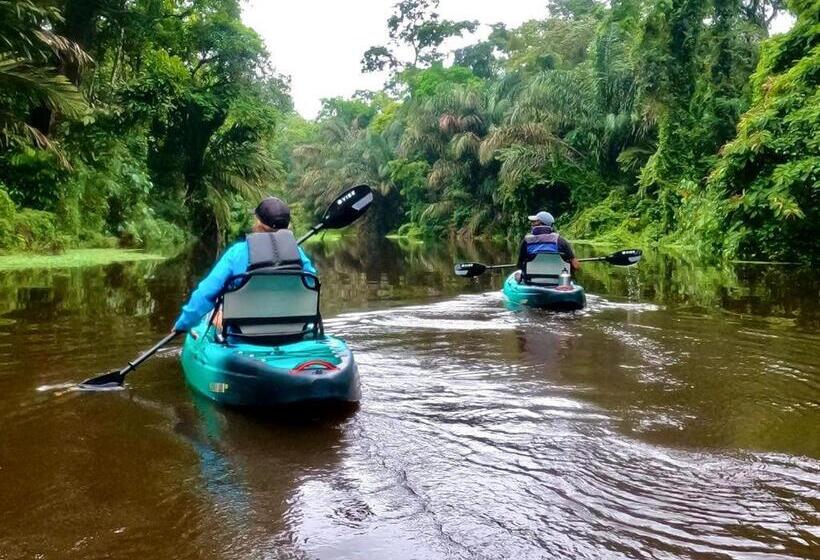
(271,214)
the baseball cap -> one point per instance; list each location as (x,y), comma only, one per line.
(274,213)
(543,217)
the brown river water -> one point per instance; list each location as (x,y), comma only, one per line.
(678,416)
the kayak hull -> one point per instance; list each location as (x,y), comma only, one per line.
(315,371)
(541,297)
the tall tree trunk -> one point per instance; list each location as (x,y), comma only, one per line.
(197,134)
(79,26)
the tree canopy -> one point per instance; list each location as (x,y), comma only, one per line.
(650,121)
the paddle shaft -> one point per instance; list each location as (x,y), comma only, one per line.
(626,257)
(313,231)
(153,350)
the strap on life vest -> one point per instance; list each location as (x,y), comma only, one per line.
(277,249)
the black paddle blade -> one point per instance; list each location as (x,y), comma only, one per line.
(627,257)
(110,380)
(470,270)
(348,207)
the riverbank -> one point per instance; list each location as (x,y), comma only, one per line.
(75,258)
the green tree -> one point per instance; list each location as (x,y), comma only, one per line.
(767,181)
(28,76)
(415,24)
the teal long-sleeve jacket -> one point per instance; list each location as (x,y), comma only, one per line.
(234,261)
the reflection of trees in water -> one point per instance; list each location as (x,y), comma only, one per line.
(82,292)
(357,271)
(682,280)
(96,295)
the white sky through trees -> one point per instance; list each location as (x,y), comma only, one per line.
(320,43)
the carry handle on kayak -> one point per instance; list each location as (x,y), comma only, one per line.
(346,209)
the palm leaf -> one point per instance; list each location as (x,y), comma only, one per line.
(40,85)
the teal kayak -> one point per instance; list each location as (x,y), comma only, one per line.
(558,298)
(320,369)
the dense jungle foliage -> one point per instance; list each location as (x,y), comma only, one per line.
(677,122)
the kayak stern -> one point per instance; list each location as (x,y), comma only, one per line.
(245,375)
(542,297)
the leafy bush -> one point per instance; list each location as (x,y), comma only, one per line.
(766,182)
(152,233)
(8,216)
(36,231)
(28,230)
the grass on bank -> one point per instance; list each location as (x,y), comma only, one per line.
(75,258)
(330,237)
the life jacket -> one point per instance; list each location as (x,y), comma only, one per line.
(275,250)
(542,240)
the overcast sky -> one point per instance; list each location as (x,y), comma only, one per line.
(319,43)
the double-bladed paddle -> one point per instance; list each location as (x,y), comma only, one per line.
(627,257)
(346,209)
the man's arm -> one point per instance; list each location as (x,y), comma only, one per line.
(568,254)
(204,297)
(523,257)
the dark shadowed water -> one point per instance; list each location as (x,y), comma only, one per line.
(677,417)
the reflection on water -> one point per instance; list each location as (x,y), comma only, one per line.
(676,417)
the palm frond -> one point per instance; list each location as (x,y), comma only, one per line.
(466,144)
(526,134)
(40,85)
(66,49)
(437,210)
(443,172)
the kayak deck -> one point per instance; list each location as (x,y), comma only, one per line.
(240,374)
(543,297)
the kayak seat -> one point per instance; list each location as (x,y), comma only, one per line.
(545,269)
(272,304)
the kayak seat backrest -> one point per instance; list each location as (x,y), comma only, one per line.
(545,269)
(272,303)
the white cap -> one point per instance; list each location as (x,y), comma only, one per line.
(543,217)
